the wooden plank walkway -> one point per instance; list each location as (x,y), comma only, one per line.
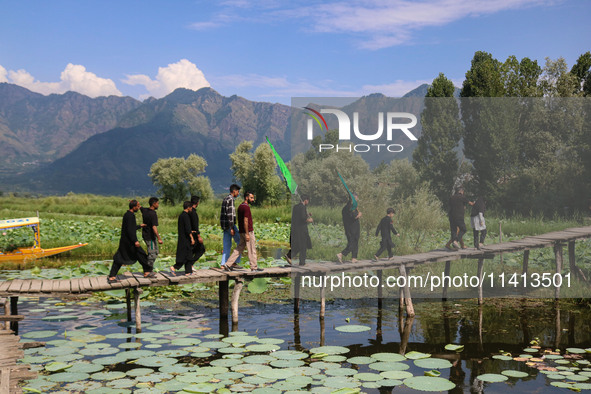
(86,285)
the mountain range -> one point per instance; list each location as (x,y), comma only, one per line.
(60,143)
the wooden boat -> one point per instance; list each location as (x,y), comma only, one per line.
(35,251)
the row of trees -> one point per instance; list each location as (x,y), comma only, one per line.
(525,132)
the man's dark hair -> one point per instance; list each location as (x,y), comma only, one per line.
(133,203)
(247,193)
(233,187)
(153,200)
(389,211)
(305,197)
(187,204)
(195,200)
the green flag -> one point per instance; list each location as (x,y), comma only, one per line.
(354,201)
(293,187)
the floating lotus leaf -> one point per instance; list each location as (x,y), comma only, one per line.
(563,385)
(334,359)
(306,371)
(230,375)
(492,377)
(59,351)
(57,366)
(361,360)
(417,355)
(148,390)
(287,363)
(454,348)
(341,372)
(97,345)
(153,346)
(330,350)
(427,383)
(530,356)
(371,385)
(352,328)
(433,372)
(119,335)
(112,375)
(156,361)
(276,374)
(289,355)
(185,341)
(262,348)
(432,363)
(201,354)
(201,388)
(578,378)
(130,345)
(39,334)
(271,341)
(213,336)
(582,386)
(531,350)
(250,369)
(255,380)
(258,359)
(86,367)
(575,350)
(566,371)
(60,318)
(396,375)
(339,382)
(172,353)
(135,354)
(240,339)
(388,366)
(585,373)
(515,374)
(555,376)
(583,362)
(191,377)
(82,387)
(224,362)
(553,356)
(214,345)
(300,380)
(232,350)
(122,383)
(257,285)
(562,361)
(56,342)
(118,305)
(368,377)
(162,327)
(324,365)
(89,338)
(67,377)
(211,371)
(139,372)
(68,358)
(40,384)
(154,378)
(390,382)
(267,390)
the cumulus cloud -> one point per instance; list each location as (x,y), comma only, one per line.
(73,78)
(182,74)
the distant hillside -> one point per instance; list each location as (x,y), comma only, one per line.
(184,122)
(36,129)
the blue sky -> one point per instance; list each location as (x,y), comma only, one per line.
(272,50)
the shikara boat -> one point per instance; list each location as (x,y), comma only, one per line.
(35,251)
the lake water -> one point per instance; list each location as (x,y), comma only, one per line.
(198,351)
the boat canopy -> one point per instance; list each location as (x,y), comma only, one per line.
(10,224)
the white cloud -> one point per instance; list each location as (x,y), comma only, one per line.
(3,74)
(182,74)
(73,78)
(395,89)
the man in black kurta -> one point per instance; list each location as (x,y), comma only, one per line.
(198,248)
(352,231)
(385,228)
(457,226)
(185,242)
(300,239)
(129,247)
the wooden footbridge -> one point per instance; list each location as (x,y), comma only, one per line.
(134,282)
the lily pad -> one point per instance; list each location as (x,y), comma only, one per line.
(201,388)
(39,334)
(575,350)
(389,366)
(388,357)
(330,350)
(432,363)
(515,374)
(287,363)
(368,377)
(341,372)
(258,359)
(156,361)
(427,383)
(57,366)
(352,328)
(454,348)
(86,367)
(60,318)
(417,355)
(290,355)
(68,377)
(276,374)
(396,375)
(361,360)
(492,377)
(262,348)
(111,375)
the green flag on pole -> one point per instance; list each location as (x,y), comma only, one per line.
(293,187)
(353,200)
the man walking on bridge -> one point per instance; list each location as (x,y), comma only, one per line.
(150,230)
(130,250)
(247,239)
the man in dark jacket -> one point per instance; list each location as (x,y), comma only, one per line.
(130,250)
(385,228)
(185,242)
(457,227)
(150,230)
(300,239)
(199,247)
(352,231)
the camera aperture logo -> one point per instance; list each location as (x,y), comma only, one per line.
(391,119)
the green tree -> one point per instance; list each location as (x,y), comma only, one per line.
(520,78)
(257,172)
(582,71)
(556,81)
(484,78)
(435,157)
(177,178)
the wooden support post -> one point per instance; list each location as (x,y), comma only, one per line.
(322,331)
(400,301)
(238,284)
(525,261)
(223,295)
(410,310)
(481,279)
(571,259)
(558,257)
(138,314)
(296,294)
(128,303)
(501,238)
(445,282)
(14,311)
(380,290)
(323,297)
(6,312)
